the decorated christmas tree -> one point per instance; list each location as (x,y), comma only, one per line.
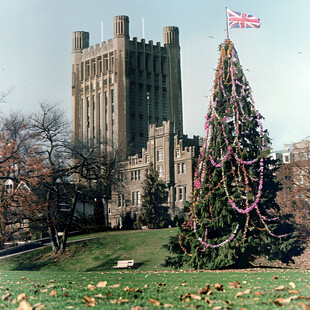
(233,216)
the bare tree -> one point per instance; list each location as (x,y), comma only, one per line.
(71,170)
(54,171)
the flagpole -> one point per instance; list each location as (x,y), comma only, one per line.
(227,25)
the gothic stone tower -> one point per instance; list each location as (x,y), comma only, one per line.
(121,87)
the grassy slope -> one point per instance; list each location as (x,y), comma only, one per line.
(100,254)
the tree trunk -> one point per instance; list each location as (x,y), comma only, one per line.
(52,234)
(63,243)
(106,207)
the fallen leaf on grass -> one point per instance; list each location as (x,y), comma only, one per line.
(100,296)
(24,305)
(205,291)
(248,291)
(274,278)
(188,297)
(21,297)
(235,284)
(6,296)
(293,292)
(44,291)
(91,287)
(154,302)
(119,301)
(102,284)
(53,293)
(39,306)
(138,308)
(219,287)
(208,301)
(127,289)
(258,293)
(304,306)
(88,299)
(283,301)
(160,284)
(279,288)
(91,304)
(196,297)
(168,306)
(292,284)
(114,285)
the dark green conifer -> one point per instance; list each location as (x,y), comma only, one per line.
(154,199)
(233,216)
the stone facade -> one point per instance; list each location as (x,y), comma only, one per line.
(172,158)
(122,86)
(128,94)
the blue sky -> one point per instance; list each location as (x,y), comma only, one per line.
(35,53)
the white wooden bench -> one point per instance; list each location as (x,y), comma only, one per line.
(124,264)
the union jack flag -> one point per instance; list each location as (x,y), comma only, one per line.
(241,20)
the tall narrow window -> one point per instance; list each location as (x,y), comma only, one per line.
(106,63)
(82,118)
(87,117)
(111,63)
(99,65)
(147,159)
(82,71)
(133,198)
(138,198)
(94,118)
(183,168)
(93,67)
(106,104)
(160,155)
(180,193)
(99,117)
(87,69)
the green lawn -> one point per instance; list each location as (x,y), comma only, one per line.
(70,281)
(101,254)
(261,289)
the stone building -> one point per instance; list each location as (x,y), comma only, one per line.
(127,93)
(172,158)
(122,86)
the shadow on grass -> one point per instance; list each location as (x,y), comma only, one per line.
(24,265)
(106,265)
(110,263)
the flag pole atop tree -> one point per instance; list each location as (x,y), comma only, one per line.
(227,24)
